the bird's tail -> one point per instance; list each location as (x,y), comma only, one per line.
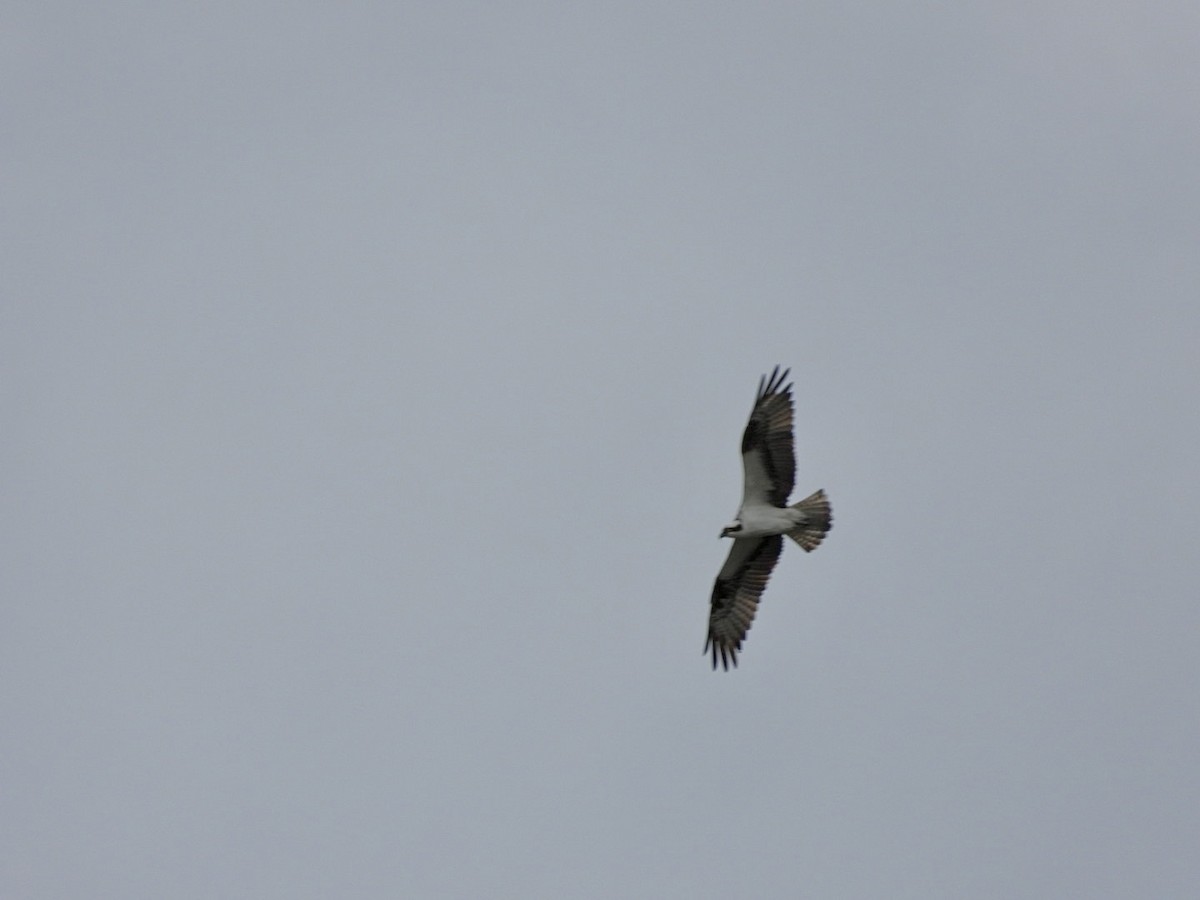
(818,519)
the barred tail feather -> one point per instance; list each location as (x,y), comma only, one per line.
(818,515)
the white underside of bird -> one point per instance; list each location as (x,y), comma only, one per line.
(762,521)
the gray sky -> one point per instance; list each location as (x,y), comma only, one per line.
(373,376)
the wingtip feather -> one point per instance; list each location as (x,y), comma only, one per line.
(773,383)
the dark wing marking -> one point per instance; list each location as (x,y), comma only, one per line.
(735,595)
(768,456)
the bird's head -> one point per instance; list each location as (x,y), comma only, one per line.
(730,531)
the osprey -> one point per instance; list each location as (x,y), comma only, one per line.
(769,467)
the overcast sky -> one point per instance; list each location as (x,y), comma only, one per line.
(373,376)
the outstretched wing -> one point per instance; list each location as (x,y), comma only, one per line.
(768,457)
(735,595)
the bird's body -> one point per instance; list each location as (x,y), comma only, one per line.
(769,469)
(762,521)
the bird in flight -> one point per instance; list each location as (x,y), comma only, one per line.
(769,473)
